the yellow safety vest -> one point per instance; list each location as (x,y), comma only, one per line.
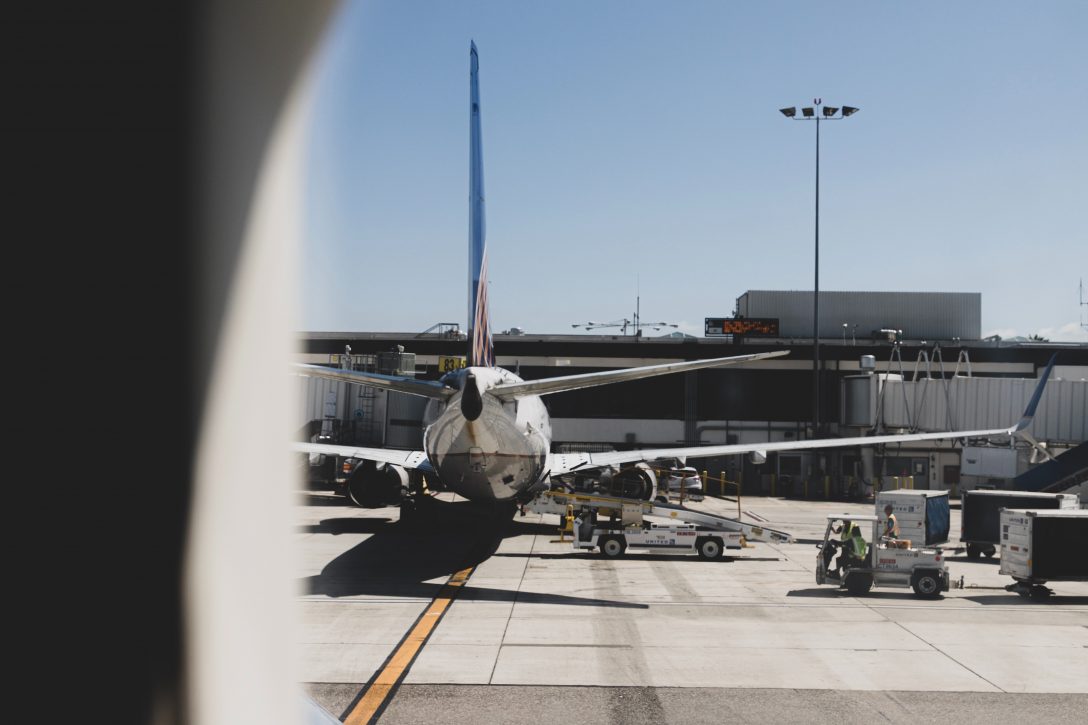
(858,543)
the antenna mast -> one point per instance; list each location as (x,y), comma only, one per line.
(637,324)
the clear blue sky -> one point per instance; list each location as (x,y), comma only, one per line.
(636,148)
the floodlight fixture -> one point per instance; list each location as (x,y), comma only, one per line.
(818,112)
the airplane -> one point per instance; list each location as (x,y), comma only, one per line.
(487,433)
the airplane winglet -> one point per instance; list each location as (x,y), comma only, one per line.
(1029,414)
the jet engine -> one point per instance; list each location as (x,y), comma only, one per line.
(371,485)
(636,481)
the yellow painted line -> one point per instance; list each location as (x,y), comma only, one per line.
(381,688)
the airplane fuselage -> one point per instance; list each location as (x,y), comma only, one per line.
(498,455)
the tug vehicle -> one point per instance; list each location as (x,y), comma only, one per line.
(887,563)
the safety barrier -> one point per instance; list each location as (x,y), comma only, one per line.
(897,481)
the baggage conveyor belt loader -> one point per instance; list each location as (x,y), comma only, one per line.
(612,524)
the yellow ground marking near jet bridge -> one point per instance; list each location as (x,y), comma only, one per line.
(380,689)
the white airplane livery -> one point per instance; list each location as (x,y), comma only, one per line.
(487,433)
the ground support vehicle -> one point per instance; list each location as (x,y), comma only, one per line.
(663,538)
(886,564)
(1042,546)
(980,520)
(612,524)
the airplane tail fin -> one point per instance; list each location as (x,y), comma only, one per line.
(481,350)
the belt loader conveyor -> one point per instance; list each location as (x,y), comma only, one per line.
(688,530)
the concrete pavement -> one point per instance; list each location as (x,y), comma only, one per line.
(537,620)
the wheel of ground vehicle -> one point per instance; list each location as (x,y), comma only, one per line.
(709,548)
(1038,591)
(972,551)
(926,584)
(989,552)
(858,583)
(612,546)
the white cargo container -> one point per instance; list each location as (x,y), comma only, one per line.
(923,515)
(1042,546)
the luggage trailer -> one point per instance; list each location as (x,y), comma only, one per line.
(612,525)
(1042,546)
(980,518)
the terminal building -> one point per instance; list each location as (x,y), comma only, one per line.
(888,362)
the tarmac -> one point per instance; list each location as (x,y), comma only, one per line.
(529,628)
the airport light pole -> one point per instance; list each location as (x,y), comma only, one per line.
(819,112)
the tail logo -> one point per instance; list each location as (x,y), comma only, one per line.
(483,352)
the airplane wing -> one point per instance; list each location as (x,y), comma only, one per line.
(405,459)
(511,391)
(398,383)
(570,462)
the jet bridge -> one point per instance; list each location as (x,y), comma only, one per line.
(629,513)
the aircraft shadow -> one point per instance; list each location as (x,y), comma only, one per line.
(414,561)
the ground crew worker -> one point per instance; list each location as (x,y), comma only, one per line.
(843,530)
(853,548)
(857,547)
(891,524)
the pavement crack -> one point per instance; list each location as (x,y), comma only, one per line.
(935,648)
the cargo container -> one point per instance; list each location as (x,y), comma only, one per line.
(980,519)
(923,516)
(1042,546)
